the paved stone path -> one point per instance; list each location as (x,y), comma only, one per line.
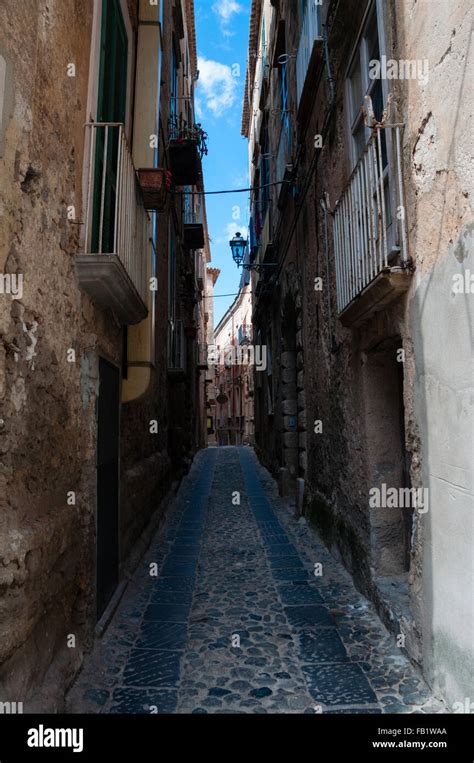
(237,621)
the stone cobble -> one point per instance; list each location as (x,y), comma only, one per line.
(237,621)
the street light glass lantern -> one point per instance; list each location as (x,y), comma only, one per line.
(238,246)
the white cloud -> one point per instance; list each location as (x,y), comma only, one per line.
(226,9)
(217,87)
(230,230)
(241,180)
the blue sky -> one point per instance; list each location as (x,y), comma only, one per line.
(222,28)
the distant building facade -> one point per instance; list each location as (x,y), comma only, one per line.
(212,274)
(232,357)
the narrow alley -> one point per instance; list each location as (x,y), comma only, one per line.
(238,621)
(236,388)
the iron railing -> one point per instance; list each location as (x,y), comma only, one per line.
(182,127)
(244,333)
(311,31)
(193,211)
(364,237)
(116,221)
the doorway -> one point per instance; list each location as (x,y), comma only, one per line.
(388,460)
(107,484)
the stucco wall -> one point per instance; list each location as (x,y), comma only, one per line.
(439,172)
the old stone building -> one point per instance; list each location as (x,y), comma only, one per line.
(361,234)
(212,274)
(232,357)
(103,250)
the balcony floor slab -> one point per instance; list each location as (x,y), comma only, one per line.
(386,287)
(104,278)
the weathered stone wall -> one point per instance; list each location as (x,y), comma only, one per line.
(48,404)
(437,180)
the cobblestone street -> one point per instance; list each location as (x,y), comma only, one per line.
(237,621)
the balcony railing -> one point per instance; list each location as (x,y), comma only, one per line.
(113,269)
(187,142)
(202,362)
(181,130)
(244,334)
(368,238)
(193,213)
(193,220)
(310,35)
(200,270)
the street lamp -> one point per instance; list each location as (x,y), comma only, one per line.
(238,246)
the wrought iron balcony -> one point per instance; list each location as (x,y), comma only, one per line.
(370,238)
(244,334)
(309,50)
(187,144)
(202,360)
(200,271)
(193,220)
(113,269)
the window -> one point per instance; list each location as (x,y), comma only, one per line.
(359,84)
(111,107)
(264,173)
(173,325)
(174,88)
(264,49)
(172,275)
(283,88)
(284,150)
(269,374)
(113,65)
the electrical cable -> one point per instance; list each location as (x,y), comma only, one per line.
(216,296)
(234,190)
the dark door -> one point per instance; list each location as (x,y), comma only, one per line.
(107,484)
(111,107)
